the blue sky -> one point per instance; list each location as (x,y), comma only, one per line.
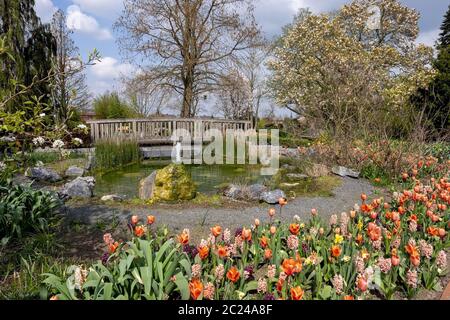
(92,22)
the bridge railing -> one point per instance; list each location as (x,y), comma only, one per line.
(160,130)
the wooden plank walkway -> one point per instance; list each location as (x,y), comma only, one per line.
(159,131)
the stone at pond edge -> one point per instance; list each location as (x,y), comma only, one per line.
(344,172)
(173,183)
(82,187)
(146,186)
(272,197)
(297,176)
(111,197)
(233,191)
(74,171)
(42,174)
(255,191)
(317,170)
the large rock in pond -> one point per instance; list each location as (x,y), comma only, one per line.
(254,191)
(42,174)
(170,183)
(251,192)
(82,187)
(273,196)
(146,186)
(233,191)
(74,171)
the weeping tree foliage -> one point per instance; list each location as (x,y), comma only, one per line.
(31,46)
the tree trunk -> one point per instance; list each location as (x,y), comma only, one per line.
(188,96)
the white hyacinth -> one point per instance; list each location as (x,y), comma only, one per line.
(81,126)
(58,144)
(77,141)
(38,141)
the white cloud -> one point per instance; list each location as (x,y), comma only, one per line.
(79,21)
(111,68)
(428,38)
(104,8)
(45,10)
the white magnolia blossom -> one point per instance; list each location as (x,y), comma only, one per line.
(58,144)
(81,126)
(77,141)
(38,141)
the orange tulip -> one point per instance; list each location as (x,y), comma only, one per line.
(294,228)
(282,201)
(314,212)
(203,252)
(296,293)
(268,254)
(150,219)
(113,247)
(222,251)
(247,234)
(273,229)
(271,212)
(373,231)
(257,222)
(183,238)
(139,231)
(233,274)
(196,288)
(216,230)
(264,241)
(291,266)
(54,298)
(134,220)
(335,251)
(348,297)
(363,197)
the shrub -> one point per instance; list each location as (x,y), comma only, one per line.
(24,210)
(114,153)
(110,106)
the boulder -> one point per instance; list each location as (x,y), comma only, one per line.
(345,172)
(172,183)
(317,170)
(254,191)
(273,196)
(111,197)
(42,174)
(82,187)
(146,186)
(289,152)
(233,191)
(74,171)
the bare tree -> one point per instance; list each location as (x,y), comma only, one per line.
(69,87)
(182,43)
(234,97)
(147,101)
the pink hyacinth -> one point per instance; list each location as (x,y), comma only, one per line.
(208,291)
(344,222)
(108,239)
(262,285)
(292,242)
(211,239)
(385,265)
(441,259)
(196,270)
(412,226)
(396,243)
(227,235)
(412,278)
(376,244)
(271,271)
(426,249)
(338,283)
(219,272)
(283,276)
(359,264)
(333,219)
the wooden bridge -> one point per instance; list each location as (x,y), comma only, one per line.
(159,131)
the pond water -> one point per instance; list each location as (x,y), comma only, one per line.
(209,178)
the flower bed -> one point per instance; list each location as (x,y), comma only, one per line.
(380,247)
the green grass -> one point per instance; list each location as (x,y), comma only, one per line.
(115,153)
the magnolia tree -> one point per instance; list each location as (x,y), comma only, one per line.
(353,70)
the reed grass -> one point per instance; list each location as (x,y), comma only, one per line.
(116,153)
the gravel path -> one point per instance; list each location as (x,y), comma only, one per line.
(201,219)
